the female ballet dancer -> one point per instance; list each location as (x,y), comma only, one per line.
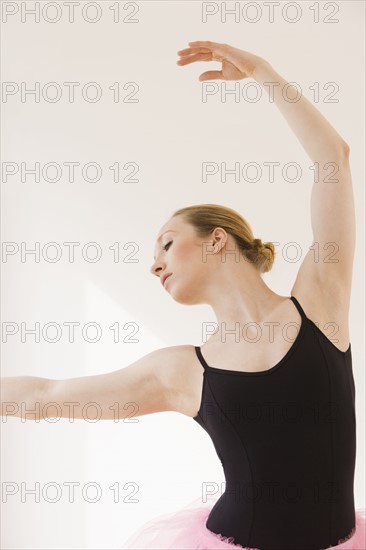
(280,412)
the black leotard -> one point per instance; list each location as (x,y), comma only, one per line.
(286,438)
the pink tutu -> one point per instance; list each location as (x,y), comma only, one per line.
(186,530)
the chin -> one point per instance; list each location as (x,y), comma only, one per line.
(185,298)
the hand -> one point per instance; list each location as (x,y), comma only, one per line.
(236,64)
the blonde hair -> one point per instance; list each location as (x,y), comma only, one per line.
(206,217)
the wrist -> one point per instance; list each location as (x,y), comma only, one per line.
(261,71)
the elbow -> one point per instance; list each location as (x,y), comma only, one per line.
(342,153)
(345,149)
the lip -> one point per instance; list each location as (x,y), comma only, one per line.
(164,277)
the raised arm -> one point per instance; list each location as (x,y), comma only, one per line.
(149,385)
(329,262)
(327,266)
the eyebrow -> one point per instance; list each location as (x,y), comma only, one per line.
(159,238)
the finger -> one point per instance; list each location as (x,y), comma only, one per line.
(193,58)
(188,51)
(211,75)
(204,44)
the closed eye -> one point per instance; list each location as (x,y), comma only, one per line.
(167,245)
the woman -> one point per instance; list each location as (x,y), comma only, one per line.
(280,410)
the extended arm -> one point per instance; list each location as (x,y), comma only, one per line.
(150,384)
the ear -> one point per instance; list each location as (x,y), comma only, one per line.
(219,238)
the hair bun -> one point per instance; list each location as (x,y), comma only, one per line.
(258,244)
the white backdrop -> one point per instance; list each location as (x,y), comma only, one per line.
(158,132)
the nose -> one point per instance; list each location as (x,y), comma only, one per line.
(156,269)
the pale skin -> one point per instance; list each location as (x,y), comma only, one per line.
(170,379)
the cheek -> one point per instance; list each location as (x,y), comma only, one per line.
(189,259)
(187,253)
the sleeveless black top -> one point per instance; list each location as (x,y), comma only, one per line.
(286,439)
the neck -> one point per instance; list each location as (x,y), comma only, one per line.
(238,296)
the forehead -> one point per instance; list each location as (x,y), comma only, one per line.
(174,224)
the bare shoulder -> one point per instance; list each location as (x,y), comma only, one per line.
(180,373)
(326,303)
